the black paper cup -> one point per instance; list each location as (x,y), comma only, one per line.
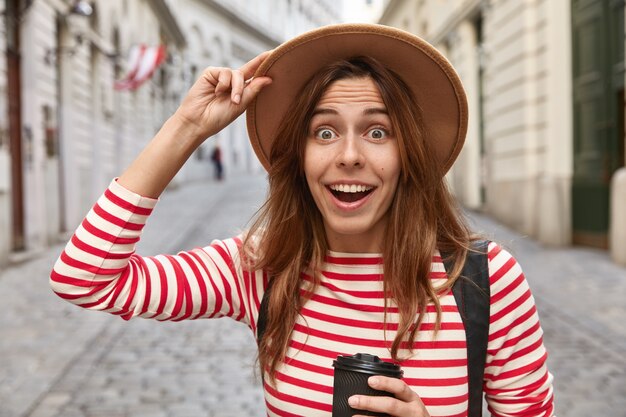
(351,375)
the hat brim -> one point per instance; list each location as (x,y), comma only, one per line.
(432,80)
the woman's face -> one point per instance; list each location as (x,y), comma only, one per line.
(352,164)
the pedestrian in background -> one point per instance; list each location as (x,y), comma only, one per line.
(357,126)
(216,159)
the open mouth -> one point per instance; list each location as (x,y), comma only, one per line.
(349,193)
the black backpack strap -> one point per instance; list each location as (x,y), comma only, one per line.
(472,294)
(261,320)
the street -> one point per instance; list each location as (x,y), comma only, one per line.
(61,361)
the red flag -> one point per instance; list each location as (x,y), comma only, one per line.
(142,62)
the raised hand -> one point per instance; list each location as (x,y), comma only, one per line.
(215,100)
(219,96)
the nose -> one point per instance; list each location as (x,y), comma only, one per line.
(350,154)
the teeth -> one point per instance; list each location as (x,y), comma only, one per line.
(350,188)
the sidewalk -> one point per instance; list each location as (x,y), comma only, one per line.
(61,361)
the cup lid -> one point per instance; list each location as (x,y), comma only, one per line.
(369,364)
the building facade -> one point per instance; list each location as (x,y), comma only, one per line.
(545,85)
(69,130)
(84,85)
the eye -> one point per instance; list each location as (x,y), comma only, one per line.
(325,134)
(377,133)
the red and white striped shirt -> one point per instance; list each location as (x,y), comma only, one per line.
(99,270)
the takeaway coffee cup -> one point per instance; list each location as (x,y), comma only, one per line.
(351,374)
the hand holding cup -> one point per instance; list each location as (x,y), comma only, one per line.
(364,385)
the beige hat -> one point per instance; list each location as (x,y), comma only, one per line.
(434,83)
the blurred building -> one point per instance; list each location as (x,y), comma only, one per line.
(545,82)
(84,85)
(70,130)
(365,11)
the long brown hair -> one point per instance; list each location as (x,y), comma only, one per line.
(289,235)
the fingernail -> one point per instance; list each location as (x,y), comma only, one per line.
(237,98)
(374,380)
(353,401)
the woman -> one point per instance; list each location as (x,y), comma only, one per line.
(356,126)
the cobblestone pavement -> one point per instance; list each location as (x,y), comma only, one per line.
(60,361)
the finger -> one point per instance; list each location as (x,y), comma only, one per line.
(223,81)
(249,68)
(237,84)
(211,75)
(387,405)
(253,88)
(396,386)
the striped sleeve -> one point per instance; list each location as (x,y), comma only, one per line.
(517,381)
(99,269)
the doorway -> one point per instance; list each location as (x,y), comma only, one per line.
(598,77)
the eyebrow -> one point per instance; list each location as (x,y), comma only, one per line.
(368,111)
